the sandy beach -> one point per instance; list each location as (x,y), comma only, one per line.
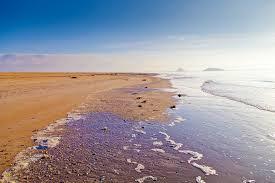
(31,101)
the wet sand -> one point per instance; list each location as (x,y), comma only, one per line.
(31,101)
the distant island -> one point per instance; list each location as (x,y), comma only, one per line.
(213,69)
(180,69)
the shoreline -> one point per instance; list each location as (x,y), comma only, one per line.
(124,93)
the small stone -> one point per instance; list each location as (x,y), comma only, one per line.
(139,105)
(172,107)
(104,128)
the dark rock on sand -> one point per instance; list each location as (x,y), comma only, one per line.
(172,107)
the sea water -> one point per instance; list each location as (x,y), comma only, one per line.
(230,119)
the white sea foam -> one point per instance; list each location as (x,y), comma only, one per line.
(134,135)
(140,131)
(195,155)
(172,124)
(179,119)
(206,169)
(139,168)
(46,138)
(199,180)
(141,180)
(130,161)
(157,143)
(248,181)
(167,138)
(137,150)
(125,148)
(158,150)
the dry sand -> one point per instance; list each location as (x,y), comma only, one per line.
(31,101)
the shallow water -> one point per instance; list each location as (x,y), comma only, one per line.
(230,120)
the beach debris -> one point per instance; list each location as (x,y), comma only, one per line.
(73,77)
(158,150)
(139,105)
(141,180)
(180,95)
(144,80)
(138,98)
(145,87)
(172,107)
(199,180)
(144,101)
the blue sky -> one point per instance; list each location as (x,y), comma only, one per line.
(160,34)
(88,26)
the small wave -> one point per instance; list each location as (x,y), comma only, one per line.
(253,96)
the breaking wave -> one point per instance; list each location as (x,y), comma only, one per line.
(259,97)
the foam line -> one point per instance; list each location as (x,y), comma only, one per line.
(141,180)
